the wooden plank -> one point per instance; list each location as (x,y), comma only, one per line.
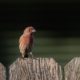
(35,69)
(72,69)
(2,72)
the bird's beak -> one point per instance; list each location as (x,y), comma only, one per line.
(33,30)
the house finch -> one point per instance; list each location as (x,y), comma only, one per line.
(26,42)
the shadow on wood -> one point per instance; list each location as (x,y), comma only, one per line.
(35,69)
(2,72)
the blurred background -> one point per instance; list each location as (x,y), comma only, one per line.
(57,24)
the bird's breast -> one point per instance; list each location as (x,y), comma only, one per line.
(26,40)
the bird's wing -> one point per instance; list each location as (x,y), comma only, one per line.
(24,41)
(20,38)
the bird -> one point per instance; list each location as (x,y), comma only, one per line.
(26,42)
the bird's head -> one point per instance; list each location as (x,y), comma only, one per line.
(29,30)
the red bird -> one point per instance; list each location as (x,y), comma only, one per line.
(26,42)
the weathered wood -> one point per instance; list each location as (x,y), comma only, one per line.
(72,69)
(2,72)
(35,69)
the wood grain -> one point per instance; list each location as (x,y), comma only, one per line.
(35,69)
(2,72)
(72,69)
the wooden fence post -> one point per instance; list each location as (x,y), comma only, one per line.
(72,69)
(35,69)
(2,72)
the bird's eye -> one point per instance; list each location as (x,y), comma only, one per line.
(29,30)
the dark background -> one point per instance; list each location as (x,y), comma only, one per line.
(57,24)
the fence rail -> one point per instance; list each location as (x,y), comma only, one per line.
(41,69)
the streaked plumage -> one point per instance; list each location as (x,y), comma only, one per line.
(26,41)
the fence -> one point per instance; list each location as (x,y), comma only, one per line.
(41,69)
